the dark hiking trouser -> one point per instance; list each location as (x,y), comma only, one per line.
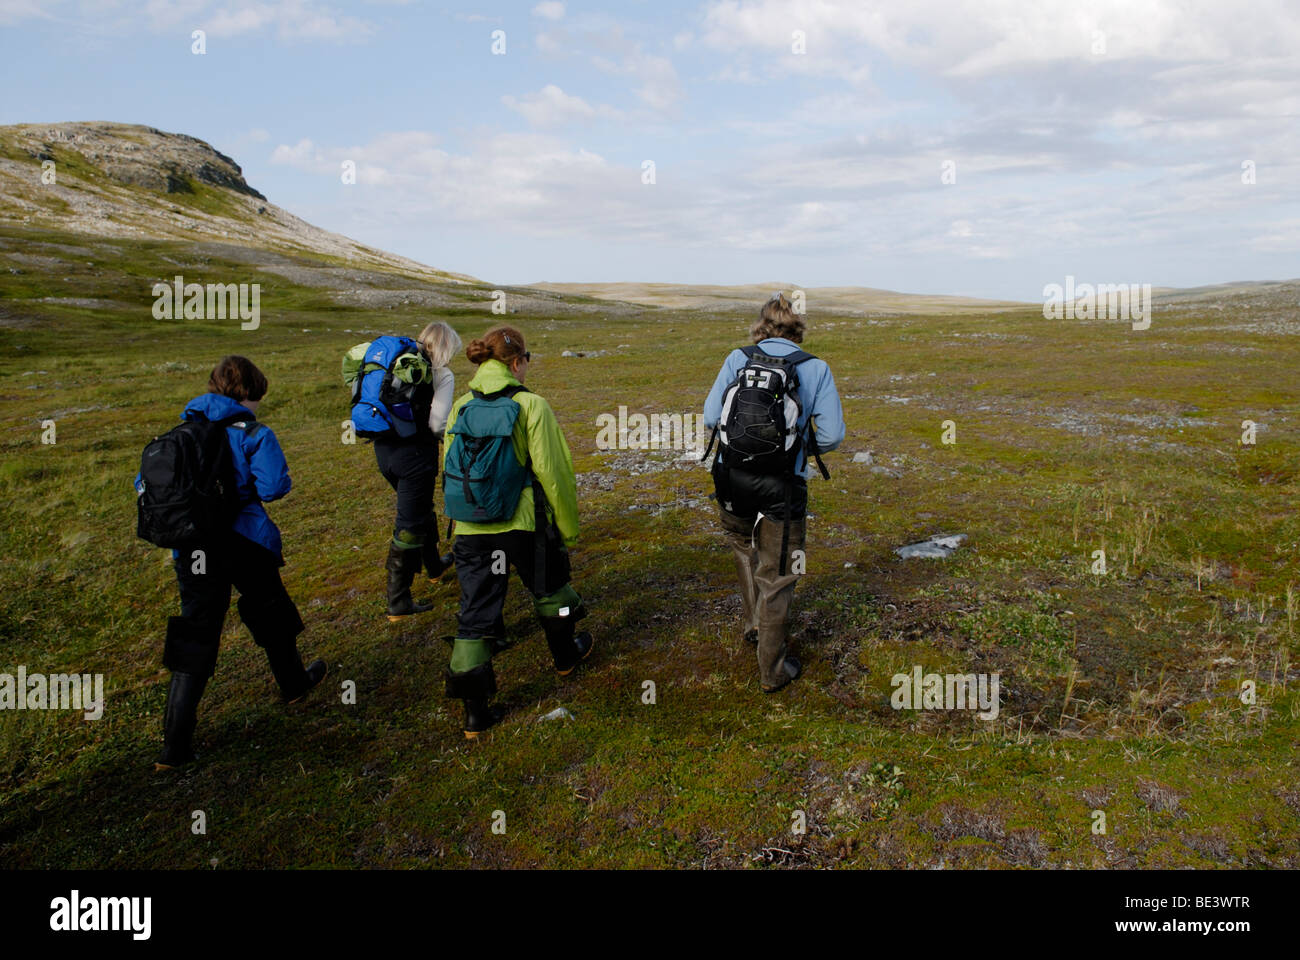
(411,469)
(765,593)
(264,604)
(483,563)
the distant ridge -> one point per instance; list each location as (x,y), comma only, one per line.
(747,297)
(866,301)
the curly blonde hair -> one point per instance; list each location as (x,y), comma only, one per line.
(778,319)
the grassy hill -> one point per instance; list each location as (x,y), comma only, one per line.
(128,181)
(1120,691)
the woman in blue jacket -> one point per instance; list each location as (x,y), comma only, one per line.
(248,558)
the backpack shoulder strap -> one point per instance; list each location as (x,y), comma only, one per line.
(244,421)
(793,360)
(815,450)
(509,391)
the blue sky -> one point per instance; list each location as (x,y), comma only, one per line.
(1101,139)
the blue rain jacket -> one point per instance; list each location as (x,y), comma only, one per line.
(261,472)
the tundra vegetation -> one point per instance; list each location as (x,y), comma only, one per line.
(1121,692)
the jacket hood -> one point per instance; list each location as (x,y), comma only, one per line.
(492,375)
(215,406)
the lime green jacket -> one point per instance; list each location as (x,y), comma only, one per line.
(537,437)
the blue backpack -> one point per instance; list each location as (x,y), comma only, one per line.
(390,379)
(482,478)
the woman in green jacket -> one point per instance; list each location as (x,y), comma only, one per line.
(484,551)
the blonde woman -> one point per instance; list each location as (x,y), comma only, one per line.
(410,465)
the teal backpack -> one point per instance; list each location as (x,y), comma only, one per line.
(482,478)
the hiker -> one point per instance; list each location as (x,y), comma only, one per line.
(771,406)
(402,392)
(508,485)
(240,547)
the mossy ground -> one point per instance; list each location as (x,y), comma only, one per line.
(1120,691)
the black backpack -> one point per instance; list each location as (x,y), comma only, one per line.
(187,492)
(758,430)
(759,425)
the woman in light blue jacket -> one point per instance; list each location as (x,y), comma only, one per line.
(762,505)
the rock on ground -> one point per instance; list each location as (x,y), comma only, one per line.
(939,547)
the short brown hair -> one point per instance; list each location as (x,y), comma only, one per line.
(500,343)
(237,378)
(778,319)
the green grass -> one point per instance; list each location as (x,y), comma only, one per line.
(1120,690)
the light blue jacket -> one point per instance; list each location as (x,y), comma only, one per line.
(818,398)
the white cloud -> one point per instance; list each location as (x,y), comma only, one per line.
(245,19)
(301,154)
(609,48)
(15,11)
(548,43)
(529,182)
(980,37)
(288,19)
(844,205)
(1284,238)
(291,19)
(552,107)
(658,85)
(549,10)
(660,88)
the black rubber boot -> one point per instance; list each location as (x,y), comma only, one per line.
(476,687)
(435,564)
(315,673)
(402,566)
(480,716)
(295,681)
(567,649)
(179,720)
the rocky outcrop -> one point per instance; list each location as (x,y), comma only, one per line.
(139,156)
(122,180)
